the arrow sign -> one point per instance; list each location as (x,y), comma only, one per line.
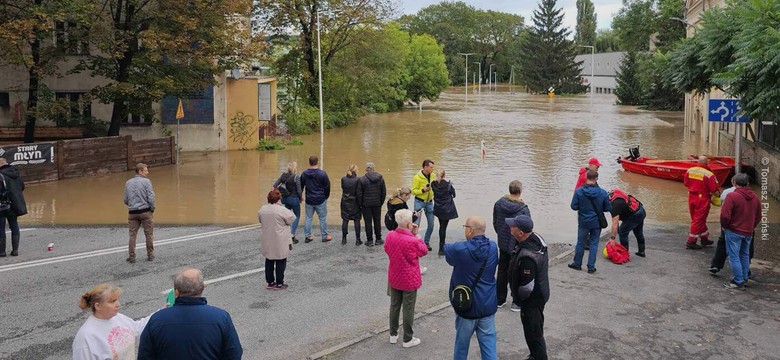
(726,110)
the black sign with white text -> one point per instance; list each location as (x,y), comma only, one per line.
(28,154)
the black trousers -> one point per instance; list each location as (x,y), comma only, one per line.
(502,278)
(533,329)
(373,217)
(275,267)
(345,226)
(719,259)
(443,231)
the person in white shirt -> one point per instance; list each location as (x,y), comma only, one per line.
(106,334)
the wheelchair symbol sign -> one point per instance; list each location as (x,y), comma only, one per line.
(726,110)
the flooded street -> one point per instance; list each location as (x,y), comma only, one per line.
(540,141)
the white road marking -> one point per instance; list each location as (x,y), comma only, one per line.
(119,249)
(228,277)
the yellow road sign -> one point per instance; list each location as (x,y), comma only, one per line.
(180,111)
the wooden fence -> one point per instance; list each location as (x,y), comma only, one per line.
(88,157)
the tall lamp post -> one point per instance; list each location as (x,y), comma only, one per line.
(592,60)
(479,87)
(467,72)
(319,74)
(490,72)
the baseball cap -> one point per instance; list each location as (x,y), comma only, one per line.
(594,161)
(522,222)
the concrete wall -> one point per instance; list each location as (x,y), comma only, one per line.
(765,160)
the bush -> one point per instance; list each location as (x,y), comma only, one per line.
(295,141)
(270,145)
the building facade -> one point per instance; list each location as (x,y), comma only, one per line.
(605,70)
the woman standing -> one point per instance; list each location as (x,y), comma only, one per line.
(443,205)
(275,238)
(350,210)
(404,250)
(291,194)
(397,202)
(12,198)
(106,334)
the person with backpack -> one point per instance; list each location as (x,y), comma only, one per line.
(529,282)
(289,185)
(397,202)
(350,207)
(508,206)
(13,203)
(371,192)
(591,202)
(472,289)
(443,205)
(630,214)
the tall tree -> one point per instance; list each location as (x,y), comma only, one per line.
(634,24)
(628,90)
(427,69)
(606,41)
(547,57)
(585,33)
(670,25)
(341,21)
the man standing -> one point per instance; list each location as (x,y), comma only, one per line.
(719,258)
(590,201)
(316,184)
(139,198)
(508,206)
(630,211)
(13,188)
(529,282)
(371,193)
(701,183)
(740,214)
(190,329)
(474,263)
(423,197)
(593,164)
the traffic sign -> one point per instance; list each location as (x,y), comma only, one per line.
(726,110)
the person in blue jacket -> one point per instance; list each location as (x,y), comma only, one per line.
(190,329)
(466,258)
(589,200)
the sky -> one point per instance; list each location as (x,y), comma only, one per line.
(605,9)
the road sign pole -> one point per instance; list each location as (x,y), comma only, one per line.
(738,149)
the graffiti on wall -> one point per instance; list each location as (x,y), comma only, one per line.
(242,129)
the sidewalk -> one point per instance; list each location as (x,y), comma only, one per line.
(664,306)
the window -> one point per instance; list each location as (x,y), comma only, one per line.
(5,101)
(769,134)
(80,106)
(71,37)
(139,115)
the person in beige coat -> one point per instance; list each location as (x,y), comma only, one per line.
(275,239)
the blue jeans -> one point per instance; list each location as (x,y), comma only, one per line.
(293,203)
(428,206)
(322,215)
(591,236)
(738,249)
(486,336)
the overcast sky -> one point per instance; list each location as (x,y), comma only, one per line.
(605,9)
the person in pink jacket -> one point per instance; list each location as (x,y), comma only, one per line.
(404,250)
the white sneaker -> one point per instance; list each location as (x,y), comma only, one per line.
(423,270)
(393,339)
(414,342)
(502,304)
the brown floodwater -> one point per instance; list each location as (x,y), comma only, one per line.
(538,140)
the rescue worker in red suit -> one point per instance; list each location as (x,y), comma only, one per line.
(593,164)
(701,184)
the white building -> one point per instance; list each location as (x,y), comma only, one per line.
(605,69)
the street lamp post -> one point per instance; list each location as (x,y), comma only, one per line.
(490,72)
(479,87)
(319,74)
(467,72)
(592,60)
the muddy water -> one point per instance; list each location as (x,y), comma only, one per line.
(540,141)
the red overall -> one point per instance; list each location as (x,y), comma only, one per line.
(701,183)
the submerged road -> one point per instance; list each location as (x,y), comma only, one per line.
(336,292)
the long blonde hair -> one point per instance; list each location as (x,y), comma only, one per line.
(292,167)
(98,294)
(352,170)
(440,174)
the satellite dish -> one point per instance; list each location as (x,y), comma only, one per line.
(235,73)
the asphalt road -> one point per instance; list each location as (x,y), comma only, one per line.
(336,292)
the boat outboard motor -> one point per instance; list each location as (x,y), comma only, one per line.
(633,153)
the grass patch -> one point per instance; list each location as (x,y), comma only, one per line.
(294,141)
(270,145)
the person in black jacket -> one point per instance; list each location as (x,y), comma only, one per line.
(508,206)
(371,193)
(289,185)
(443,205)
(350,210)
(529,282)
(12,188)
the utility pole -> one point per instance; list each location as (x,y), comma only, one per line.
(479,88)
(467,73)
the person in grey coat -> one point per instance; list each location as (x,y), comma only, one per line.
(15,206)
(139,198)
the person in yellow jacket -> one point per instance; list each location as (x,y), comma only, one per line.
(423,197)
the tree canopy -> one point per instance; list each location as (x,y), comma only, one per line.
(585,32)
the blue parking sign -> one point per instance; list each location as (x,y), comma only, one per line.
(726,110)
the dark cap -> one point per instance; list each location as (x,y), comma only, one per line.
(522,222)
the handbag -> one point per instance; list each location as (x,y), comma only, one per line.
(462,295)
(602,219)
(5,202)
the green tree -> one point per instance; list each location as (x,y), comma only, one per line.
(606,41)
(428,75)
(547,57)
(628,89)
(669,27)
(634,24)
(658,92)
(585,32)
